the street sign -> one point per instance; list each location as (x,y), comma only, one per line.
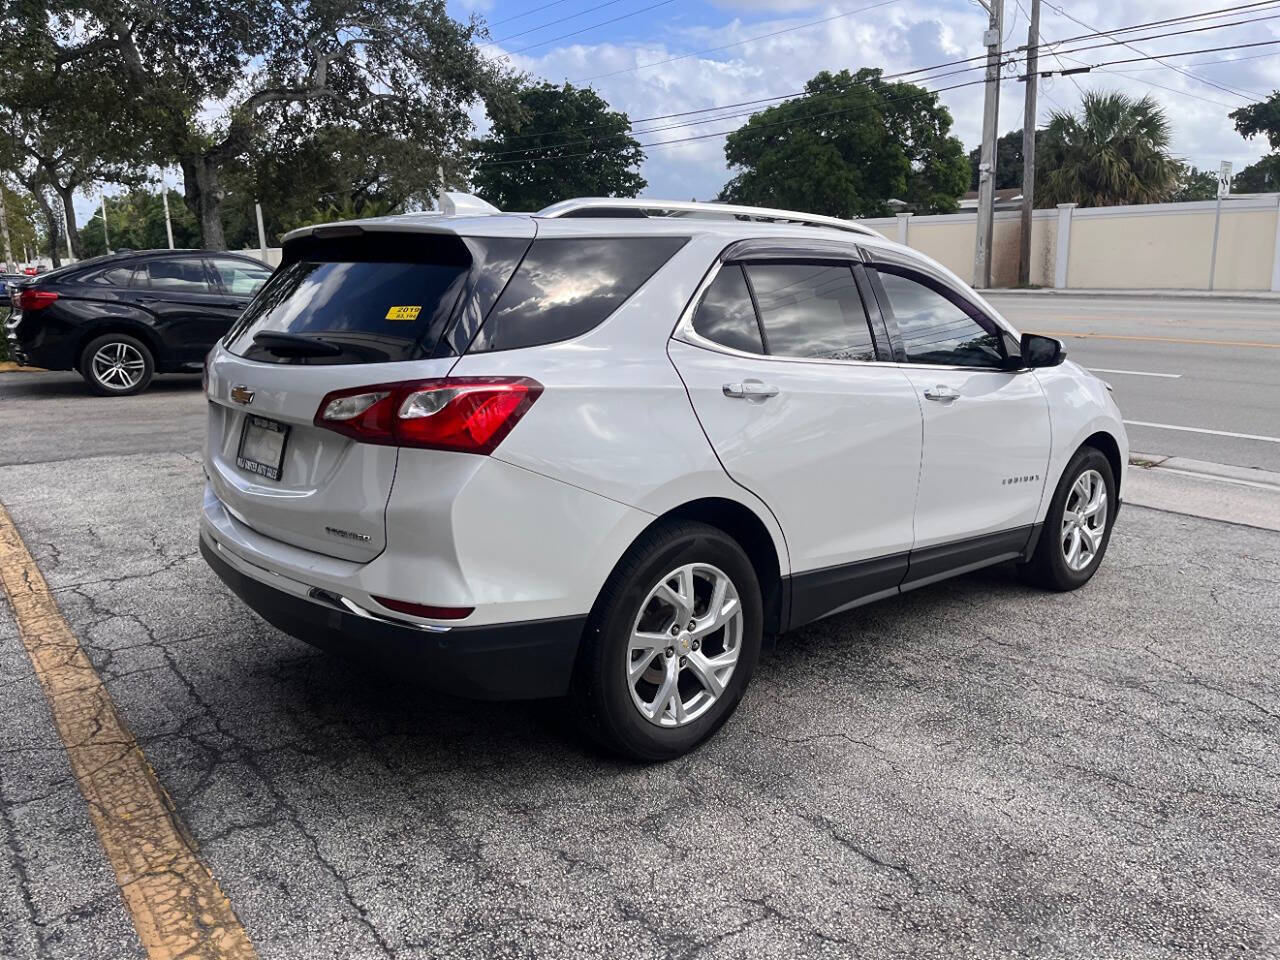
(1224,179)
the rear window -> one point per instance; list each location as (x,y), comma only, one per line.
(377,300)
(565,287)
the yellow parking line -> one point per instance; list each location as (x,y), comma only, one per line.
(176,904)
(1201,343)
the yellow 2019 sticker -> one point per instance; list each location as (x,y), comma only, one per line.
(403,313)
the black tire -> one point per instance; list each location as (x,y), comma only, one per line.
(131,347)
(1048,566)
(600,694)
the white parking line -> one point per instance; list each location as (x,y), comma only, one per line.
(1137,373)
(1216,433)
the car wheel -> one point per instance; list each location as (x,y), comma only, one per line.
(671,643)
(1077,527)
(117,365)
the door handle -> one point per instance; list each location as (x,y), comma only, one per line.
(755,390)
(941,393)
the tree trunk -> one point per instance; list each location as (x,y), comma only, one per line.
(67,195)
(51,227)
(4,233)
(202,191)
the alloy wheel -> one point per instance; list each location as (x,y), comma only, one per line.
(118,365)
(684,645)
(1084,520)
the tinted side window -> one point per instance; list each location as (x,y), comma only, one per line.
(726,316)
(239,277)
(113,277)
(811,310)
(936,330)
(184,275)
(564,288)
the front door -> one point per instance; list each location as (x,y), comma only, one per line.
(986,429)
(802,412)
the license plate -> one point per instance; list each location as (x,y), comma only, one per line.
(262,445)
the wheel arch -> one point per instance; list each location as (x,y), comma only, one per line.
(1110,448)
(135,329)
(746,527)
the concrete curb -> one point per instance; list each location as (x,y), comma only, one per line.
(1217,295)
(1198,488)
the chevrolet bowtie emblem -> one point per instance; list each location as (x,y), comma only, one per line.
(241,394)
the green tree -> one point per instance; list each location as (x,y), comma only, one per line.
(65,122)
(1195,184)
(1260,177)
(214,75)
(1260,118)
(1008,161)
(1115,152)
(135,221)
(21,215)
(562,142)
(845,148)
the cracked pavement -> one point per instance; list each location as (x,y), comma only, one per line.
(976,769)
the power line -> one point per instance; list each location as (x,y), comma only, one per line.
(848,13)
(812,98)
(818,97)
(552,23)
(531,10)
(1186,73)
(602,23)
(725,133)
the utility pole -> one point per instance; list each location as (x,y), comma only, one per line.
(4,229)
(262,234)
(987,163)
(106,238)
(168,223)
(1029,146)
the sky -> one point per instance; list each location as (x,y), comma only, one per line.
(896,35)
(718,52)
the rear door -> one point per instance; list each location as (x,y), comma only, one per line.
(986,428)
(189,309)
(384,306)
(807,411)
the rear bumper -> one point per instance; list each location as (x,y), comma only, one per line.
(513,661)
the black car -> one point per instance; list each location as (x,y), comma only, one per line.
(118,320)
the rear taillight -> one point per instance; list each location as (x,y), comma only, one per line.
(467,414)
(28,300)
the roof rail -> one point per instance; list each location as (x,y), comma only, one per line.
(641,207)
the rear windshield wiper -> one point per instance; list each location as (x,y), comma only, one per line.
(295,345)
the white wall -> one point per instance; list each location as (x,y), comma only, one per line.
(1164,246)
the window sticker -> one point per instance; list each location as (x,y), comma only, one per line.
(403,313)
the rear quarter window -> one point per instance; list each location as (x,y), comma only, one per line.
(566,287)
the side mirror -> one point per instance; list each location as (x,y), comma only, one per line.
(1041,351)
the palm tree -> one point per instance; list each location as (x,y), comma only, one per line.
(1115,152)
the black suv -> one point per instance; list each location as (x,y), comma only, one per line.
(118,320)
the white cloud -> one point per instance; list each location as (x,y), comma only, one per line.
(899,37)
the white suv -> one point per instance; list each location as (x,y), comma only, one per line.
(600,450)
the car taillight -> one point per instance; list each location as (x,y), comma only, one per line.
(28,300)
(467,414)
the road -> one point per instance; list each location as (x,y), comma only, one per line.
(1211,365)
(976,769)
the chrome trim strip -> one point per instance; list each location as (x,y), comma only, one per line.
(319,594)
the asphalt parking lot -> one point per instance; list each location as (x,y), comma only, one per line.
(975,769)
